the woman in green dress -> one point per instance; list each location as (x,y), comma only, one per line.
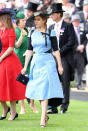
(21,45)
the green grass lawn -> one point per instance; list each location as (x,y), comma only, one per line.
(76,119)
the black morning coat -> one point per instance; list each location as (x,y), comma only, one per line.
(83,40)
(66,44)
(30,22)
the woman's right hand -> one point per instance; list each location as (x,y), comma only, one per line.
(23,32)
(60,70)
(23,71)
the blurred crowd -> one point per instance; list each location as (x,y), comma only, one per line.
(70,7)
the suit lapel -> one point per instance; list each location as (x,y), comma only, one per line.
(62,28)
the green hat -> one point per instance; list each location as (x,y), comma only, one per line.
(20,15)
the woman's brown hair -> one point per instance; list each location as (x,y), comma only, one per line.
(44,17)
(6,20)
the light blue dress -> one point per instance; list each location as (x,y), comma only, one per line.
(43,82)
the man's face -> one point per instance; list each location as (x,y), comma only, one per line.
(76,23)
(85,8)
(55,16)
(29,13)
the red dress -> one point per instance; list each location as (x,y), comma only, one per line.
(10,67)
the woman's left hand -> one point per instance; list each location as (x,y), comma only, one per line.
(23,71)
(1,59)
(60,70)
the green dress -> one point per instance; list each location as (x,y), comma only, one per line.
(21,50)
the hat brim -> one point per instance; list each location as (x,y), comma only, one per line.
(57,11)
(75,20)
(9,11)
(30,9)
(40,13)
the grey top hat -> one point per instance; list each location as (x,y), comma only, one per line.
(85,2)
(75,17)
(66,15)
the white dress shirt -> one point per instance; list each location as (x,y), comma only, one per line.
(77,33)
(57,29)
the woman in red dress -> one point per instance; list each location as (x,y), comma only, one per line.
(10,66)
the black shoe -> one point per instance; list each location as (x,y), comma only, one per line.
(52,111)
(3,117)
(15,116)
(79,87)
(28,100)
(62,111)
(16,102)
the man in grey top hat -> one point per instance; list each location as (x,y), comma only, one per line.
(85,12)
(80,58)
(66,17)
(85,9)
(78,4)
(84,16)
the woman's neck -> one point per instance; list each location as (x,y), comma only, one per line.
(42,29)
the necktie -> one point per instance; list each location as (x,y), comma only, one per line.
(78,30)
(57,29)
(78,35)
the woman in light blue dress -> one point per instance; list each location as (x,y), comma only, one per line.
(43,82)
